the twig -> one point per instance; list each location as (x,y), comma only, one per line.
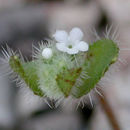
(108,110)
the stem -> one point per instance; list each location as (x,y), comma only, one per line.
(108,110)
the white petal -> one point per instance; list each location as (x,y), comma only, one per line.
(76,34)
(82,46)
(61,36)
(61,47)
(72,51)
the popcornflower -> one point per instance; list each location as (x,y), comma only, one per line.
(71,43)
(66,67)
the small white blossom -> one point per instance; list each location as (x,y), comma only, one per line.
(47,53)
(71,43)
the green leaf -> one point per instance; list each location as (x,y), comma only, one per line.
(67,79)
(100,56)
(27,71)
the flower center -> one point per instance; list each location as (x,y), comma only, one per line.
(70,46)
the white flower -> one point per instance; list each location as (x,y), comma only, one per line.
(47,53)
(71,43)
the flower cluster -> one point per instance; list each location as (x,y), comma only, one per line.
(70,44)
